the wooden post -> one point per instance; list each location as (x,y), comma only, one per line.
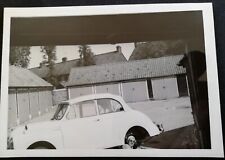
(195,64)
(194,98)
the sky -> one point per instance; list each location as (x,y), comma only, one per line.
(71,52)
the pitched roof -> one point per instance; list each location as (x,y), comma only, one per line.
(155,67)
(109,57)
(60,68)
(20,77)
(65,67)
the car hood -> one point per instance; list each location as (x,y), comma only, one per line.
(35,128)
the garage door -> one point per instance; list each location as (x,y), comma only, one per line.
(111,88)
(79,91)
(165,88)
(135,91)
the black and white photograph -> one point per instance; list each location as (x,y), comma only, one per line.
(115,78)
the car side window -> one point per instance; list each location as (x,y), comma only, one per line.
(86,109)
(104,106)
(72,113)
(107,105)
(117,107)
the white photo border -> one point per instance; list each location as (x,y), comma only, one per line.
(212,77)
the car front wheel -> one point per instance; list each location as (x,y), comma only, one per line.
(41,145)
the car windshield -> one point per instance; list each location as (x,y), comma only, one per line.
(60,111)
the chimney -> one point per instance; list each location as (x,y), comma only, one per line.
(64,59)
(118,49)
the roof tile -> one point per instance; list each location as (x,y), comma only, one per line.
(64,67)
(155,67)
(20,77)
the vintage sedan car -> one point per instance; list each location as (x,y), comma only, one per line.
(90,121)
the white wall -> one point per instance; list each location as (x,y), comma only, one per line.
(12,110)
(59,95)
(23,106)
(45,101)
(79,91)
(34,104)
(27,104)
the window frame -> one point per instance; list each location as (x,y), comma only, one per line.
(77,116)
(71,107)
(111,106)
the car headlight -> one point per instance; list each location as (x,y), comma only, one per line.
(10,143)
(160,127)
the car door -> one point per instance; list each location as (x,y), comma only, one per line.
(110,114)
(81,129)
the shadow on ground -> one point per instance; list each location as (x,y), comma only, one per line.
(182,138)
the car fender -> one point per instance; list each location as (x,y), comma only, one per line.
(148,124)
(24,140)
(141,120)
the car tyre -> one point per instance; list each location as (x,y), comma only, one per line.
(41,145)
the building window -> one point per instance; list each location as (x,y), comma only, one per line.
(182,85)
(150,92)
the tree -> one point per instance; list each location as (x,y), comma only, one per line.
(156,49)
(49,59)
(20,56)
(86,56)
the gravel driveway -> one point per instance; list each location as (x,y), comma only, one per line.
(172,114)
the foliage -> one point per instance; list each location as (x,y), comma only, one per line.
(49,55)
(20,56)
(156,49)
(49,59)
(86,56)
